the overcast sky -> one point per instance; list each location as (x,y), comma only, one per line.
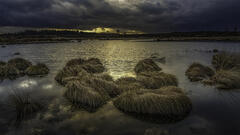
(144,15)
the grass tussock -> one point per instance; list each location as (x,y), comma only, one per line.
(146,65)
(226,79)
(102,86)
(9,71)
(225,61)
(92,65)
(225,76)
(104,76)
(37,70)
(24,105)
(84,97)
(20,63)
(128,84)
(66,72)
(198,72)
(18,67)
(155,80)
(87,87)
(167,101)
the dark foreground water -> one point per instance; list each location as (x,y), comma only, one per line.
(214,112)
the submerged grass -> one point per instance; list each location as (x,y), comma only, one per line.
(24,106)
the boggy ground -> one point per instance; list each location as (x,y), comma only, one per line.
(151,93)
(224,73)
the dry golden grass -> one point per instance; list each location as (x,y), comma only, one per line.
(167,101)
(37,70)
(128,84)
(225,61)
(84,97)
(227,79)
(146,65)
(20,63)
(155,80)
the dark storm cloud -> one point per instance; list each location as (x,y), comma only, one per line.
(145,15)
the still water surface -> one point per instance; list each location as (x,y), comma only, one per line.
(214,112)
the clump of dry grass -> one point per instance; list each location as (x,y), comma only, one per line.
(20,63)
(75,62)
(9,71)
(37,70)
(104,76)
(68,72)
(84,97)
(87,87)
(226,79)
(168,101)
(198,72)
(227,72)
(80,66)
(19,67)
(146,65)
(92,65)
(155,80)
(225,61)
(24,105)
(103,86)
(128,84)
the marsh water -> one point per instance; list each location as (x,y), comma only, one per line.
(214,111)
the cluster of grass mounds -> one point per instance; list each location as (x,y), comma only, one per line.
(37,70)
(146,65)
(226,74)
(87,87)
(149,75)
(155,80)
(198,72)
(18,67)
(24,106)
(169,102)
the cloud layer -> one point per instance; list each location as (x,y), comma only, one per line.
(144,15)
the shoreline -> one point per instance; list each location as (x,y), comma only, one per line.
(23,40)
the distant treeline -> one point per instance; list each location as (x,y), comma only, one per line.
(52,33)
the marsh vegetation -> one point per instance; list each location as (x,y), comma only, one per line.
(225,76)
(18,67)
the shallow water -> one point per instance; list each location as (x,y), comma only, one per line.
(214,111)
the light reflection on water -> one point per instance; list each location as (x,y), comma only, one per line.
(214,111)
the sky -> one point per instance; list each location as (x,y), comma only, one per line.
(150,16)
